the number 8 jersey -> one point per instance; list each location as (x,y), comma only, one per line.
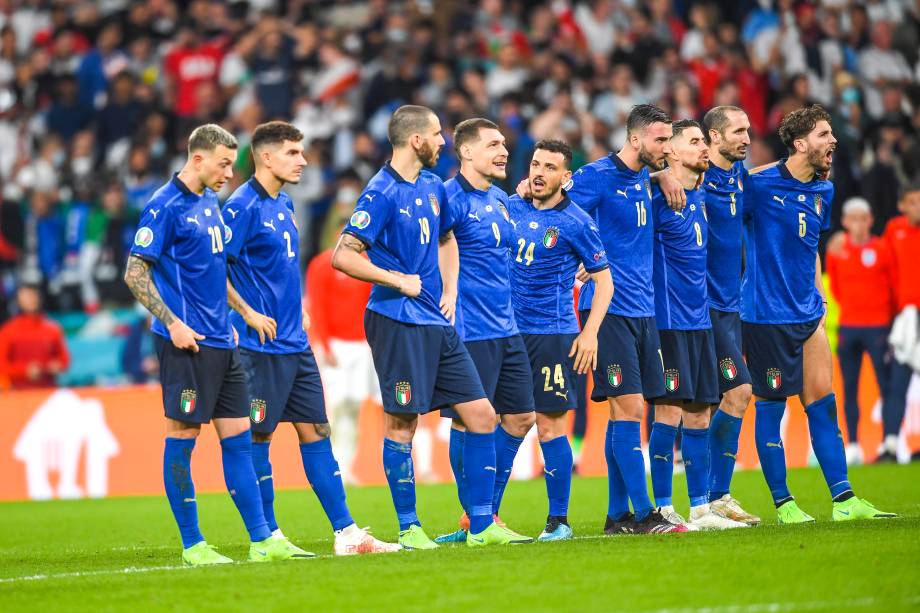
(548,245)
(183,234)
(262,247)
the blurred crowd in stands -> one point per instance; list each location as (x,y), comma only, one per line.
(98,97)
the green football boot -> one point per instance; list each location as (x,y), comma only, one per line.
(857,508)
(415,538)
(790,513)
(496,535)
(276,548)
(202,554)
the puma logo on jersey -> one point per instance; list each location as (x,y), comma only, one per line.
(154,212)
(233,213)
(474,216)
(711,184)
(782,200)
(269,224)
(370,197)
(406,212)
(193,220)
(623,193)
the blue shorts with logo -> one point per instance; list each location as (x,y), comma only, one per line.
(200,386)
(774,357)
(420,368)
(628,361)
(690,373)
(504,371)
(283,387)
(726,328)
(553,381)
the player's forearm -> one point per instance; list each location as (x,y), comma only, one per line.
(603,294)
(139,279)
(449,263)
(347,259)
(236,302)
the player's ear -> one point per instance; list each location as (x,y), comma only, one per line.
(800,145)
(566,177)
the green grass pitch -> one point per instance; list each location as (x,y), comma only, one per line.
(124,553)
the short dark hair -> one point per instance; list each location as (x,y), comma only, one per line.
(643,115)
(468,130)
(683,124)
(208,137)
(407,120)
(554,145)
(800,122)
(274,133)
(909,188)
(717,119)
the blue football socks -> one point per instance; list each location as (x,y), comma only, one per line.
(627,448)
(397,465)
(240,477)
(455,454)
(767,419)
(322,471)
(479,468)
(695,448)
(263,468)
(557,471)
(506,448)
(180,491)
(661,457)
(828,444)
(724,430)
(617,500)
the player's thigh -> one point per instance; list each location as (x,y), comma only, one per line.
(552,372)
(487,358)
(306,402)
(190,382)
(513,393)
(681,366)
(726,331)
(269,379)
(404,358)
(775,358)
(817,367)
(456,380)
(617,372)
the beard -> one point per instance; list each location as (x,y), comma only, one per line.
(646,158)
(428,155)
(732,156)
(700,167)
(817,160)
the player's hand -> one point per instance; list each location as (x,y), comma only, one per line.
(582,275)
(184,337)
(585,351)
(836,242)
(408,285)
(306,321)
(449,306)
(673,191)
(265,326)
(236,336)
(523,189)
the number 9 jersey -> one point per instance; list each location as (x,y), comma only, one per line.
(183,234)
(262,247)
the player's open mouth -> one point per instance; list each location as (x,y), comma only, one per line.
(539,183)
(829,156)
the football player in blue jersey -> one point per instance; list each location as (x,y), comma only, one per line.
(420,359)
(477,214)
(616,191)
(178,270)
(786,209)
(726,128)
(687,345)
(551,237)
(262,244)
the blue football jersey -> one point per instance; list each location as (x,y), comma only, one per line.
(681,297)
(724,208)
(400,222)
(483,231)
(783,222)
(183,234)
(620,201)
(262,247)
(549,245)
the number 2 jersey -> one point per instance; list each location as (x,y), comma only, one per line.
(400,222)
(783,222)
(182,234)
(548,245)
(262,247)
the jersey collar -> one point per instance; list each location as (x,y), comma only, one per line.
(392,172)
(182,187)
(620,164)
(563,204)
(258,189)
(784,173)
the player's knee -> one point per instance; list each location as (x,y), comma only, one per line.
(736,400)
(630,407)
(457,424)
(518,424)
(696,417)
(479,416)
(667,414)
(400,428)
(261,437)
(550,426)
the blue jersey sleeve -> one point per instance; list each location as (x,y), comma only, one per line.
(750,194)
(590,248)
(154,232)
(826,209)
(240,222)
(371,217)
(447,219)
(583,189)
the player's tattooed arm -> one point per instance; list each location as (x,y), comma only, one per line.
(139,279)
(265,326)
(449,264)
(348,258)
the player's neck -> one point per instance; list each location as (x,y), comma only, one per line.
(477,180)
(859,239)
(548,203)
(798,167)
(191,180)
(630,157)
(406,164)
(269,182)
(689,179)
(717,159)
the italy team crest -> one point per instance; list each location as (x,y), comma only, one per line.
(672,379)
(433,201)
(504,210)
(403,393)
(648,188)
(187,401)
(550,237)
(615,375)
(818,204)
(257,410)
(728,368)
(774,378)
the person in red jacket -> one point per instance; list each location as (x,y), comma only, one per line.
(32,347)
(902,234)
(860,269)
(336,304)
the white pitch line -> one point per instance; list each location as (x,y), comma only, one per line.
(780,607)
